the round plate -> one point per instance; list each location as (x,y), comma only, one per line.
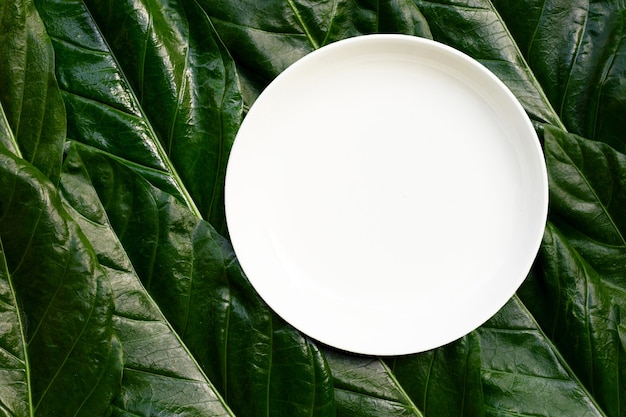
(386,194)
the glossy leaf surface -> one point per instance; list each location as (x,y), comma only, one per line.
(62,338)
(588,193)
(577,49)
(268,37)
(150,83)
(120,293)
(444,381)
(160,375)
(366,386)
(29,96)
(250,355)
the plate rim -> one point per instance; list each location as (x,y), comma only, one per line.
(411,347)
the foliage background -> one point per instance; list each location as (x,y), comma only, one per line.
(120,293)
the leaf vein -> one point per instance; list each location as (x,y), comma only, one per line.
(74,344)
(304,27)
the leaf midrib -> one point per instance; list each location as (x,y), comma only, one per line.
(188,200)
(26,361)
(594,194)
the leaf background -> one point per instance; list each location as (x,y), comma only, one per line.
(121,114)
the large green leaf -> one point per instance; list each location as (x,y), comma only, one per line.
(365,386)
(153,102)
(577,49)
(152,84)
(583,322)
(580,293)
(250,355)
(160,376)
(102,109)
(30,100)
(444,381)
(265,41)
(524,374)
(506,367)
(588,196)
(14,370)
(59,304)
(266,37)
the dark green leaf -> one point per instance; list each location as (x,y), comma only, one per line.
(475,28)
(160,375)
(365,386)
(267,38)
(583,322)
(7,139)
(153,85)
(102,109)
(192,273)
(63,297)
(153,99)
(14,372)
(587,200)
(29,95)
(445,381)
(524,374)
(577,49)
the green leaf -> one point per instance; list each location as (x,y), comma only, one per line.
(7,139)
(30,100)
(475,27)
(164,77)
(577,50)
(15,396)
(446,381)
(102,109)
(523,373)
(506,367)
(193,275)
(63,301)
(160,375)
(153,102)
(267,38)
(587,196)
(583,322)
(169,115)
(365,386)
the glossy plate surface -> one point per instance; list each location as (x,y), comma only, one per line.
(386,194)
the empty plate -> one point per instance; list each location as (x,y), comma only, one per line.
(386,194)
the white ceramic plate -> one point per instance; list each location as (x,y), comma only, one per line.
(386,194)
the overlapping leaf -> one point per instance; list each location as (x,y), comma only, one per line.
(266,37)
(150,82)
(588,194)
(444,381)
(57,332)
(523,373)
(31,104)
(153,98)
(102,109)
(63,301)
(365,386)
(577,50)
(250,355)
(14,370)
(584,322)
(160,375)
